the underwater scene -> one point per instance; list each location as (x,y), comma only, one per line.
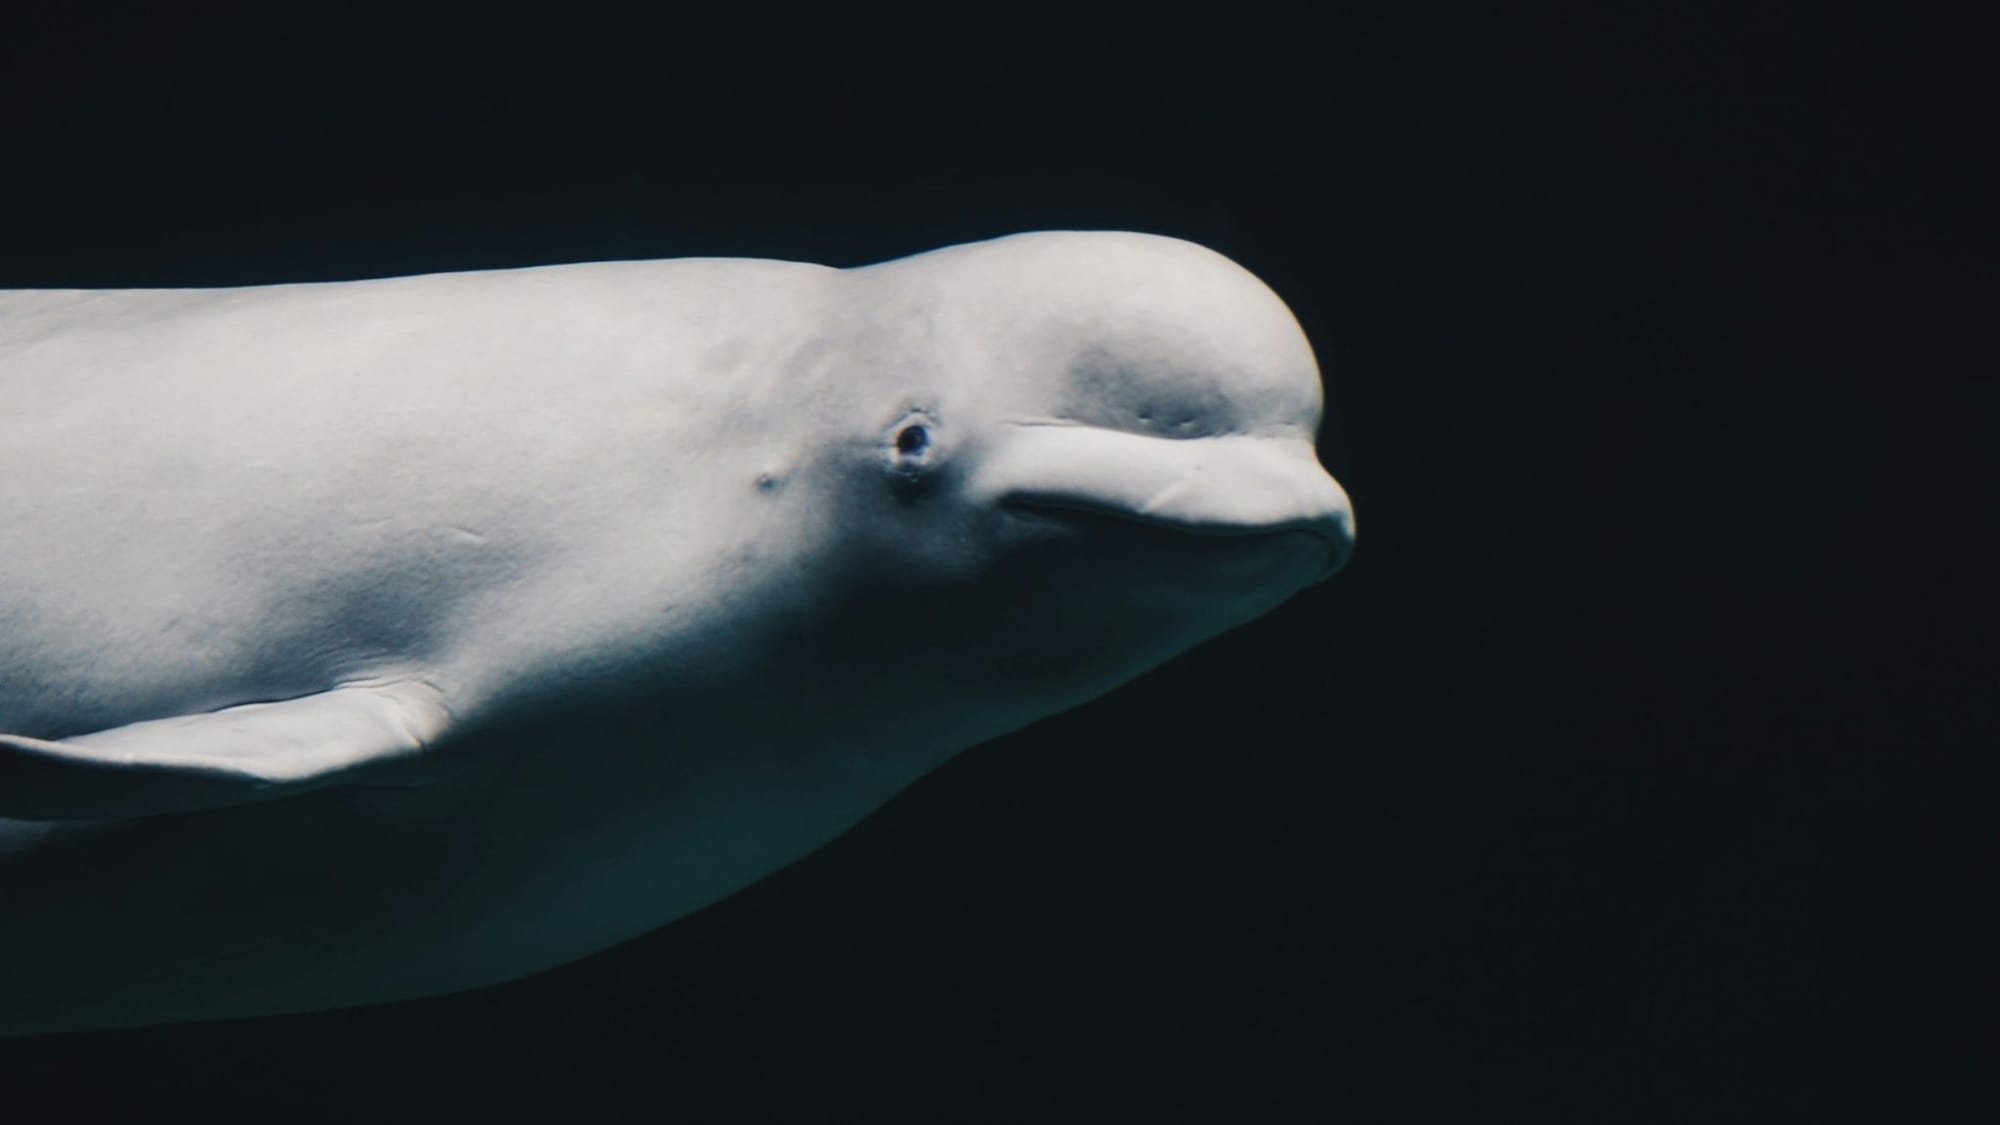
(715,565)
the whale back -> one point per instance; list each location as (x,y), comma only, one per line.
(218,496)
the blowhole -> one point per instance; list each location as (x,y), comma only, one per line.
(913,440)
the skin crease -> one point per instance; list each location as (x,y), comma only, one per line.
(648,577)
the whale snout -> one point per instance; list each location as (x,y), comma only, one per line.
(1336,532)
(1240,485)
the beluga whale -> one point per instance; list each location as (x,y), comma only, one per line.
(370,640)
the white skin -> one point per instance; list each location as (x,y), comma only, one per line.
(669,572)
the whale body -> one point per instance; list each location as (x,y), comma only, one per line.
(370,640)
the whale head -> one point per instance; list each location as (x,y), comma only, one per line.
(1086,452)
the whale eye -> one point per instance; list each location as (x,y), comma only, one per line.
(914,462)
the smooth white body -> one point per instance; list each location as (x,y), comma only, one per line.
(624,559)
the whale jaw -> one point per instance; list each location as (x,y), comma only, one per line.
(1242,487)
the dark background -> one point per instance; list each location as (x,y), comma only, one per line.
(1634,770)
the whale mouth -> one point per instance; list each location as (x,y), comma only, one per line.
(1239,489)
(1329,537)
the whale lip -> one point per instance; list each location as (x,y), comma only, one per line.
(1332,531)
(1234,486)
